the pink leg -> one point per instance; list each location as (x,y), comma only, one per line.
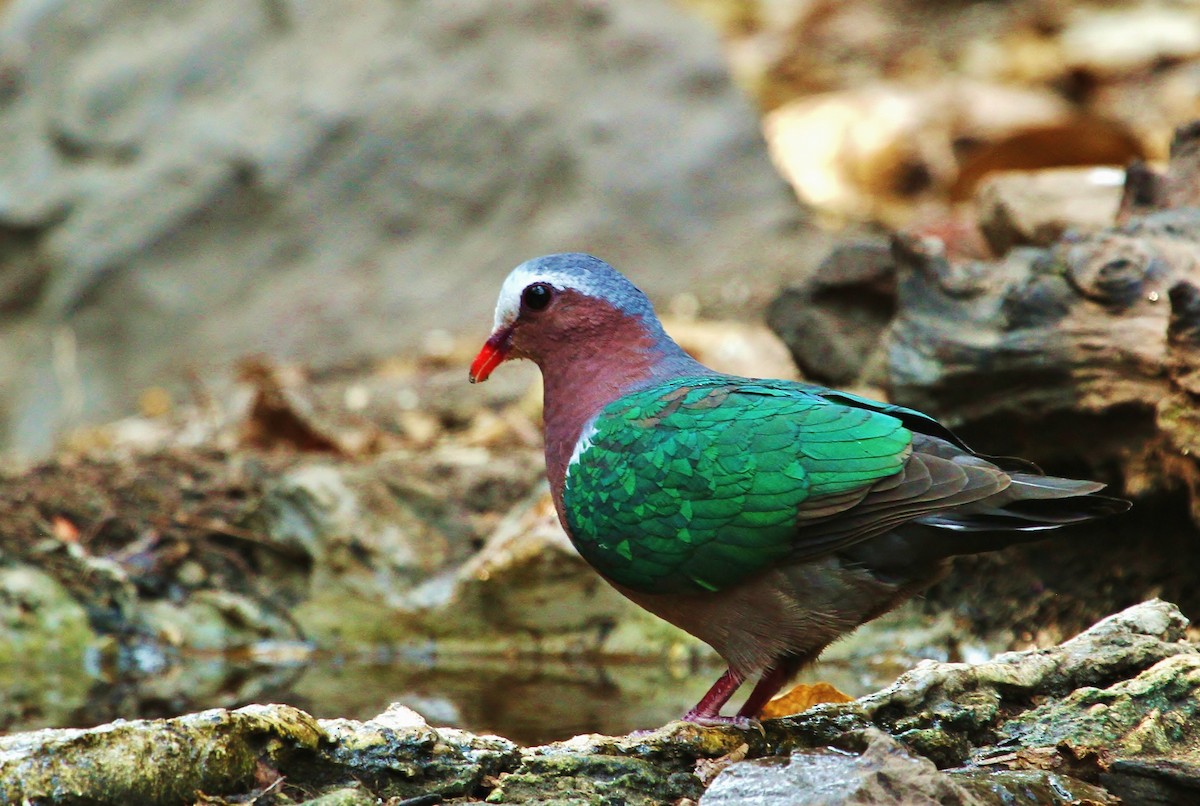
(767,687)
(708,710)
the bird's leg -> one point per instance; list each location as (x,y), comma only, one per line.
(708,710)
(767,687)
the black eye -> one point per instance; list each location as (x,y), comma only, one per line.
(536,297)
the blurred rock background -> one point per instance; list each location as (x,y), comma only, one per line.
(183,183)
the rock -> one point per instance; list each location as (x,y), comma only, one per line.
(1038,208)
(45,643)
(215,621)
(1153,781)
(1146,716)
(1029,788)
(923,704)
(152,762)
(1083,323)
(323,186)
(402,757)
(353,795)
(656,767)
(886,773)
(528,586)
(375,532)
(39,618)
(1023,728)
(833,321)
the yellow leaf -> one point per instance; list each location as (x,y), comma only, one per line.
(801,698)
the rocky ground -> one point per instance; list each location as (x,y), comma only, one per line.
(1106,717)
(184,187)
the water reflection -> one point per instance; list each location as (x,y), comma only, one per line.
(531,702)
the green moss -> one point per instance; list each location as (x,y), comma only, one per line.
(152,761)
(1155,713)
(39,619)
(45,639)
(943,748)
(344,796)
(1028,788)
(594,780)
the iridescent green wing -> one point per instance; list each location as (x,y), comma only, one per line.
(911,418)
(920,422)
(696,484)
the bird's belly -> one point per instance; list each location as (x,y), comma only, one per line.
(791,611)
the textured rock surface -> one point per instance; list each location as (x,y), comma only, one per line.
(949,711)
(1048,726)
(884,773)
(162,761)
(887,773)
(528,588)
(1036,208)
(185,184)
(834,322)
(1080,329)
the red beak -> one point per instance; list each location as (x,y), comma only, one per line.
(491,355)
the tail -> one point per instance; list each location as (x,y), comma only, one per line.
(1024,511)
(1031,503)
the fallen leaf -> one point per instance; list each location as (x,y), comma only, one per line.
(801,698)
(1079,140)
(276,418)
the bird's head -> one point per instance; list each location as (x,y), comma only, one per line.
(560,305)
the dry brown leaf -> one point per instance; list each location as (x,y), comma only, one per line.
(886,150)
(1079,140)
(801,698)
(287,413)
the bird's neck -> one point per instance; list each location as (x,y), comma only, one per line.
(585,376)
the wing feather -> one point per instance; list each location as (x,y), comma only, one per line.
(697,483)
(740,462)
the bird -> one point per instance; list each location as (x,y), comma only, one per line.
(765,517)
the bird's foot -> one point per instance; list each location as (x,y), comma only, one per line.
(707,720)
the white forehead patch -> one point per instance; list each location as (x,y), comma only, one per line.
(508,306)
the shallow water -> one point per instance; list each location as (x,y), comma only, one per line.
(529,701)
